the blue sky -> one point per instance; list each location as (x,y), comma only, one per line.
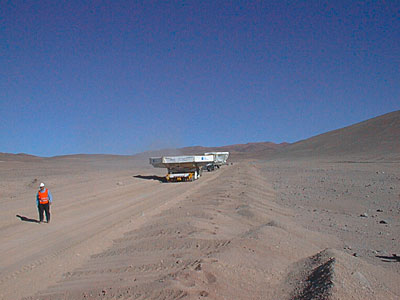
(122,77)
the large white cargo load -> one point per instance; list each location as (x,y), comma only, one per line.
(187,161)
(220,158)
(182,168)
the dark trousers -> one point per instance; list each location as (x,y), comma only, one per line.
(44,208)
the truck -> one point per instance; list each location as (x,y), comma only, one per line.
(220,159)
(182,168)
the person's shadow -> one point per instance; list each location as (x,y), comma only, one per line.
(151,177)
(26,219)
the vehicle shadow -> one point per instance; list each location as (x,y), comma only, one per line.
(26,219)
(393,258)
(151,177)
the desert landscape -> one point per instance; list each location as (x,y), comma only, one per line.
(317,219)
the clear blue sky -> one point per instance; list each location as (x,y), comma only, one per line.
(126,76)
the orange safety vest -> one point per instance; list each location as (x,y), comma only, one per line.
(43,196)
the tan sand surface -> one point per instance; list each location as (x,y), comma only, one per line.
(251,230)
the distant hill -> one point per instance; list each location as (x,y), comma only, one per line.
(237,151)
(376,139)
(21,157)
(90,157)
(239,148)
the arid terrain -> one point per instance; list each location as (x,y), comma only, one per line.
(310,220)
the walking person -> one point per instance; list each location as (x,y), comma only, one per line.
(43,201)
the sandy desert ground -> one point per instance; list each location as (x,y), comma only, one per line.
(304,229)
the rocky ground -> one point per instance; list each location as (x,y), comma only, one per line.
(357,202)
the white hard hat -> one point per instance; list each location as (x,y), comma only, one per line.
(41,185)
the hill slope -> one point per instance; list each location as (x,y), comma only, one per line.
(21,157)
(373,139)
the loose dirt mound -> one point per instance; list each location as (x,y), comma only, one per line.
(331,274)
(312,278)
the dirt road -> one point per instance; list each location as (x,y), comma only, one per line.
(87,214)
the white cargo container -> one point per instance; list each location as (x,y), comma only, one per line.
(220,159)
(182,168)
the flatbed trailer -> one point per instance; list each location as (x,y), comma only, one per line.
(182,168)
